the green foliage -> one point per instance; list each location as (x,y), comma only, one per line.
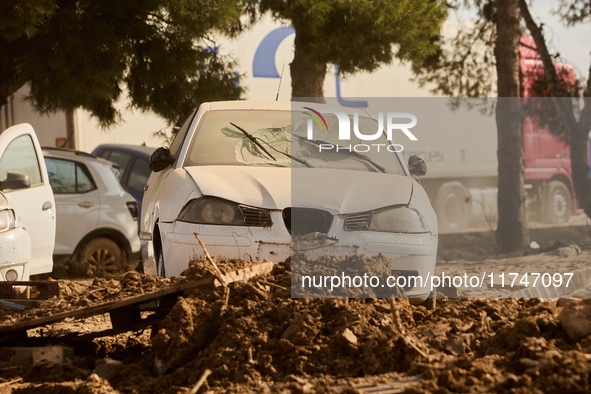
(574,11)
(24,17)
(87,54)
(363,34)
(465,66)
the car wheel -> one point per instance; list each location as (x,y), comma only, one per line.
(558,204)
(452,206)
(160,270)
(101,256)
(431,302)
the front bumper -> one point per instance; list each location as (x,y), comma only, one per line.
(15,253)
(412,253)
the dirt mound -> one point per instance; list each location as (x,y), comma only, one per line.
(262,334)
(257,338)
(346,269)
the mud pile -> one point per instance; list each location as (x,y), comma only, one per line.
(256,338)
(262,339)
(316,270)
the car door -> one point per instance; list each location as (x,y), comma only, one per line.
(77,202)
(20,151)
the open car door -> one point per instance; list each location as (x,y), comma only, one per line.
(20,152)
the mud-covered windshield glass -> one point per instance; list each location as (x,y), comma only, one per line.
(273,136)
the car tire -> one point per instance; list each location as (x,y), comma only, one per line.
(558,203)
(431,302)
(100,257)
(452,206)
(160,270)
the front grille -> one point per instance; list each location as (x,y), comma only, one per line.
(358,221)
(255,217)
(302,221)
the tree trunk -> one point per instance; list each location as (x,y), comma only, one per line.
(579,132)
(578,158)
(512,232)
(307,75)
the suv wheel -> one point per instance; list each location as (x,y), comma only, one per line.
(101,256)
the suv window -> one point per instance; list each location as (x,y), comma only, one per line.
(20,155)
(140,172)
(119,157)
(68,177)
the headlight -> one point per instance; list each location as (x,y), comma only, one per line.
(392,220)
(211,210)
(7,220)
(133,209)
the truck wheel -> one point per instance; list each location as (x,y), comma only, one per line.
(452,206)
(558,203)
(101,256)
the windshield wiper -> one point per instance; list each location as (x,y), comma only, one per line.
(253,139)
(353,152)
(256,141)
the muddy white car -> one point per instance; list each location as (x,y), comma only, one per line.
(247,179)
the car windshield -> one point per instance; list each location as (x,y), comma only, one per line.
(279,139)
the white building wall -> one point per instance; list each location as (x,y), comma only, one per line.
(49,128)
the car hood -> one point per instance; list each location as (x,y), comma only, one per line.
(341,191)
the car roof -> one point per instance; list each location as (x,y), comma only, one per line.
(274,105)
(141,150)
(72,154)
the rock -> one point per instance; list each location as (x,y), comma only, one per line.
(455,345)
(106,368)
(575,317)
(348,336)
(449,291)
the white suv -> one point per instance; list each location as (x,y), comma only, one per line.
(96,217)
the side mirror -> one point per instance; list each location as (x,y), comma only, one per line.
(417,166)
(161,159)
(15,180)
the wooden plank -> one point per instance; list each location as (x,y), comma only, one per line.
(205,283)
(248,273)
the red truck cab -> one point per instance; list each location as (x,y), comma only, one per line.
(548,173)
